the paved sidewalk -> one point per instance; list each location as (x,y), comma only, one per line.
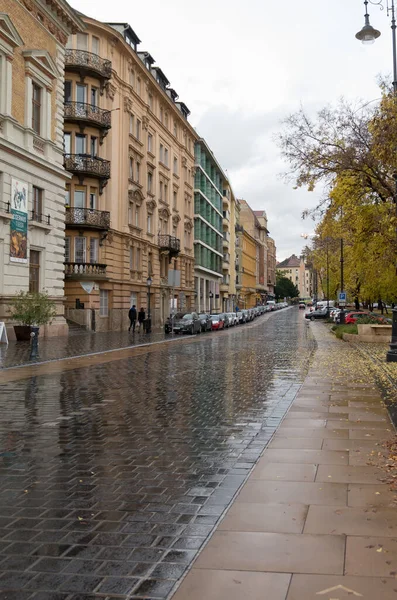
(313,520)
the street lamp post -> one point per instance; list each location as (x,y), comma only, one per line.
(342,315)
(149,317)
(211,295)
(368,35)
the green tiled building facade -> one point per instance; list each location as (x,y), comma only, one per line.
(208,229)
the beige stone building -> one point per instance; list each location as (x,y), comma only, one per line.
(33,35)
(271,267)
(299,273)
(129,213)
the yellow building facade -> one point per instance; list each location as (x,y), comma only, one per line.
(129,207)
(247,296)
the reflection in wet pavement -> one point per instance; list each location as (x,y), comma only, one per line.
(113,476)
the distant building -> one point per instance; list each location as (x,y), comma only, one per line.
(271,266)
(255,224)
(299,273)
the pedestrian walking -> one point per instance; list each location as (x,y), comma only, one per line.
(141,318)
(132,318)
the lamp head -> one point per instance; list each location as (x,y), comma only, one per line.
(368,34)
(149,281)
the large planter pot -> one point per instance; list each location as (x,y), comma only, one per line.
(22,332)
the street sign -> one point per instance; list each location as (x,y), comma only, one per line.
(342,298)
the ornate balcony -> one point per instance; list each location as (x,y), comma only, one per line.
(88,63)
(87,218)
(89,271)
(80,112)
(169,245)
(85,165)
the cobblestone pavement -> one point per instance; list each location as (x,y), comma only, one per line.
(112,476)
(78,343)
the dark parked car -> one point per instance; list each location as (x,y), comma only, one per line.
(205,321)
(321,313)
(187,323)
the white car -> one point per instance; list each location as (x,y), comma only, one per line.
(233,319)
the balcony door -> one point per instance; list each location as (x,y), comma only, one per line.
(80,143)
(79,199)
(80,249)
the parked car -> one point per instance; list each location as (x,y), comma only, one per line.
(187,323)
(352,316)
(322,313)
(241,317)
(302,305)
(245,315)
(205,321)
(272,304)
(232,318)
(225,319)
(217,322)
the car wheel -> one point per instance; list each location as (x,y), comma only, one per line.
(312,318)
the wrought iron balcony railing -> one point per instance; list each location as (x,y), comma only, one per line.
(39,218)
(80,111)
(82,60)
(5,206)
(86,165)
(76,269)
(170,243)
(87,217)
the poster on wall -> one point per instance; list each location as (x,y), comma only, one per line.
(19,221)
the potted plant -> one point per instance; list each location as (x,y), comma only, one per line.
(31,310)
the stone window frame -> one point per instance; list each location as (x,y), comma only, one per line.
(9,40)
(41,70)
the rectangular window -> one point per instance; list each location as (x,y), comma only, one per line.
(161,153)
(137,215)
(37,204)
(67,146)
(138,86)
(132,120)
(166,156)
(80,245)
(93,203)
(68,91)
(150,142)
(137,172)
(67,249)
(149,182)
(138,129)
(131,168)
(132,78)
(95,45)
(94,96)
(138,259)
(103,303)
(94,250)
(161,114)
(82,41)
(67,195)
(36,108)
(175,129)
(166,193)
(149,223)
(81,93)
(175,165)
(150,101)
(34,271)
(161,190)
(175,199)
(94,141)
(131,258)
(79,199)
(80,143)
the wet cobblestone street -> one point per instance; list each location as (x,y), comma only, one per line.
(113,476)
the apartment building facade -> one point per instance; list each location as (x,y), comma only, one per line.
(299,273)
(33,36)
(228,284)
(271,267)
(129,213)
(210,239)
(255,224)
(247,297)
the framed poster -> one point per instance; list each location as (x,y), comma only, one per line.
(19,221)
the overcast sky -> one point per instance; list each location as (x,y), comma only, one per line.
(241,67)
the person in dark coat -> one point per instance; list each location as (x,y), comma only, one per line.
(141,318)
(132,317)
